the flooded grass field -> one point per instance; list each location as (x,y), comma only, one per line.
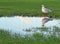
(21,22)
(30,25)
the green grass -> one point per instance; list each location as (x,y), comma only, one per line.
(28,7)
(6,38)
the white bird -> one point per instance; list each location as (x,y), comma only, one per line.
(45,10)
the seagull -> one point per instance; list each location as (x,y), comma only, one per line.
(45,10)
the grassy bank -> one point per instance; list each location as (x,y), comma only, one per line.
(6,38)
(28,7)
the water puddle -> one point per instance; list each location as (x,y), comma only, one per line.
(29,25)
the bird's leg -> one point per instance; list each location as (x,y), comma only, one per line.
(45,14)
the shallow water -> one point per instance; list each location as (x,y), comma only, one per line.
(19,24)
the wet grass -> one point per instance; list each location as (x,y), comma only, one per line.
(41,28)
(28,7)
(6,38)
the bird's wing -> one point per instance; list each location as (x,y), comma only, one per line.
(48,10)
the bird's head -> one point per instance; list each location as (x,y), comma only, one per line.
(42,5)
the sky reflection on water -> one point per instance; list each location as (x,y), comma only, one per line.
(18,24)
